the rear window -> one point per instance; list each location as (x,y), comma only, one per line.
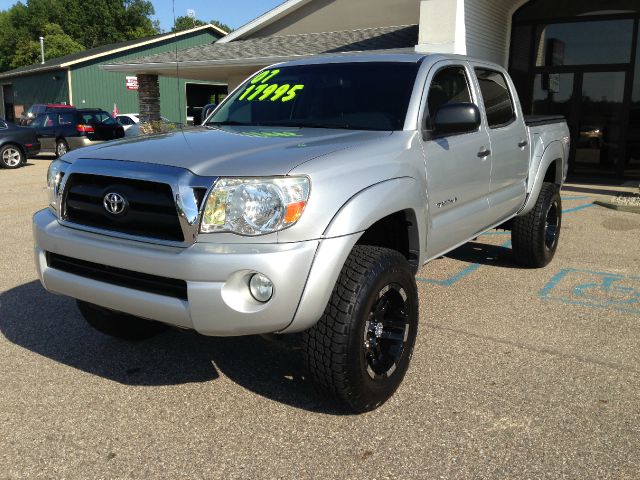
(97,118)
(496,97)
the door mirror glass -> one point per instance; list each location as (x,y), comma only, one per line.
(456,119)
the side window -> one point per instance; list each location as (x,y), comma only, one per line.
(496,97)
(3,126)
(66,118)
(38,122)
(50,120)
(448,86)
(125,120)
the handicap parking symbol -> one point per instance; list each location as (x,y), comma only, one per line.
(594,289)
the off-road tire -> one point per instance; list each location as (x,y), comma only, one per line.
(117,324)
(335,349)
(62,147)
(12,156)
(530,234)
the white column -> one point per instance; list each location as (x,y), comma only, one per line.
(442,27)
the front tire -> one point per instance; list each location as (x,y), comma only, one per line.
(535,235)
(11,156)
(359,351)
(117,324)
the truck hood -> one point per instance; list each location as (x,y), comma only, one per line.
(230,151)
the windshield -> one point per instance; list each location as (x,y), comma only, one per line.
(356,96)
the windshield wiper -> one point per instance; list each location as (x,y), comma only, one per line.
(230,122)
(306,124)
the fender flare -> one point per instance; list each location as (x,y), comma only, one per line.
(360,212)
(376,202)
(553,152)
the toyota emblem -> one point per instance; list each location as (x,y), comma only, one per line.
(114,203)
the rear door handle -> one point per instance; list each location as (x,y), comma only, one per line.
(484,153)
(523,143)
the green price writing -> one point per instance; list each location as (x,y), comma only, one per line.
(261,90)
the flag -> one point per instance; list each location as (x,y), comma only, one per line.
(115,112)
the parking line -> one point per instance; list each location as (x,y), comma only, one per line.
(580,207)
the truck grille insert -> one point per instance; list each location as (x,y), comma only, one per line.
(149,208)
(169,287)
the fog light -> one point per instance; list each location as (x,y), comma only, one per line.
(261,288)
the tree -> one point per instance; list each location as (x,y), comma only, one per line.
(89,25)
(57,44)
(185,23)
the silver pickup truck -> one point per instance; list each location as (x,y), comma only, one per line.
(306,202)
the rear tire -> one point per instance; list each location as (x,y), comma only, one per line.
(62,147)
(117,324)
(535,235)
(359,351)
(12,156)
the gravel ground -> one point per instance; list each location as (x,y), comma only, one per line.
(516,374)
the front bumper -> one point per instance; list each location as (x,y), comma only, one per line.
(218,300)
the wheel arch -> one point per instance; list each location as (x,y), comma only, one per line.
(388,214)
(550,169)
(15,144)
(360,221)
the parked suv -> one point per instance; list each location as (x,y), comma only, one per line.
(38,109)
(62,130)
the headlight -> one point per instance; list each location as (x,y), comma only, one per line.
(255,206)
(54,179)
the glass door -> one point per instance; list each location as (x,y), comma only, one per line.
(593,104)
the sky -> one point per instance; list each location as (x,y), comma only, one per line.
(234,13)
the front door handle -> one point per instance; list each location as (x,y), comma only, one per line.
(484,153)
(522,143)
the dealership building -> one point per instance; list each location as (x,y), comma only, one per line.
(579,58)
(78,80)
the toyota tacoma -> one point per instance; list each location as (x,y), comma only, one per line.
(306,202)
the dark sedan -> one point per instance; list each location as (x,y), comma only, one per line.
(16,144)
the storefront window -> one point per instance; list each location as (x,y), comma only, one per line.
(632,166)
(583,43)
(545,9)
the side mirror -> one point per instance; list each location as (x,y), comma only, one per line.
(455,119)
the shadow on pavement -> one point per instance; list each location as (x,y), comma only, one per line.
(484,254)
(51,326)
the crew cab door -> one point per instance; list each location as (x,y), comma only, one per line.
(509,142)
(458,166)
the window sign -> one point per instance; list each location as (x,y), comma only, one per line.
(261,88)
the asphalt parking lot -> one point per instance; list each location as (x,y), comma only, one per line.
(516,374)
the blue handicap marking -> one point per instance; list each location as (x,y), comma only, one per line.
(594,289)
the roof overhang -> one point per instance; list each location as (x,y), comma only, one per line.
(265,19)
(219,70)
